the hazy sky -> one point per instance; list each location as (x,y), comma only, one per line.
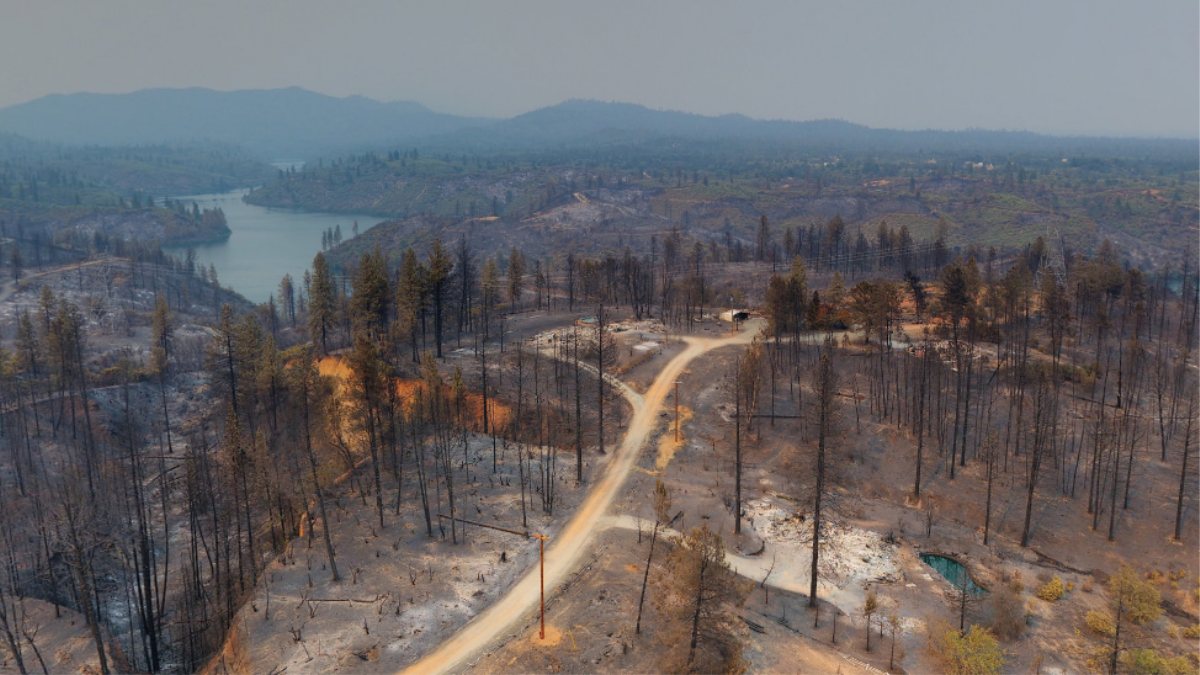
(1088,67)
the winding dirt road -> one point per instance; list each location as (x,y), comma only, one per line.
(567,549)
(9,287)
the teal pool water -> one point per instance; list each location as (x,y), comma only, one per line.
(954,572)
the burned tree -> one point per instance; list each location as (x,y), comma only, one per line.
(662,514)
(700,596)
(606,356)
(825,422)
(306,387)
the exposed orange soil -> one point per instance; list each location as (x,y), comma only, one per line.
(406,389)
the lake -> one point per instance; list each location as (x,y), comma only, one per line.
(265,243)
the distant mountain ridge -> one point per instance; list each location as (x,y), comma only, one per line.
(296,123)
(578,117)
(272,123)
(581,121)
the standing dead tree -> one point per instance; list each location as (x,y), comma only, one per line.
(578,406)
(991,458)
(662,513)
(1185,455)
(826,423)
(1040,446)
(367,385)
(744,387)
(606,355)
(440,427)
(306,386)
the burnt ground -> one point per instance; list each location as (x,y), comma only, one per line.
(117,301)
(403,591)
(598,629)
(590,621)
(590,624)
(64,642)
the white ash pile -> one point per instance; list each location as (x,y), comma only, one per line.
(848,554)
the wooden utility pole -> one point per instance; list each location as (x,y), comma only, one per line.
(541,558)
(542,564)
(676,411)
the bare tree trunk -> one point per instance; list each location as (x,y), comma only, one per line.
(312,465)
(645,578)
(578,407)
(737,444)
(1187,443)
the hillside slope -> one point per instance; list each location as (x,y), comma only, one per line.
(272,123)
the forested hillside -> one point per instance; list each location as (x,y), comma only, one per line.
(54,198)
(93,175)
(956,412)
(269,124)
(603,205)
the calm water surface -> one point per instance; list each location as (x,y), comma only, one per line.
(266,243)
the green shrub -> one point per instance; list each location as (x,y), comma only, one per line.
(1192,632)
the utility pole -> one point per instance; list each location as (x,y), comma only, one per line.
(541,558)
(542,564)
(676,411)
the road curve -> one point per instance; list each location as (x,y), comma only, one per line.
(568,547)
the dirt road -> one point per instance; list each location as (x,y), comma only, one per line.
(9,287)
(571,544)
